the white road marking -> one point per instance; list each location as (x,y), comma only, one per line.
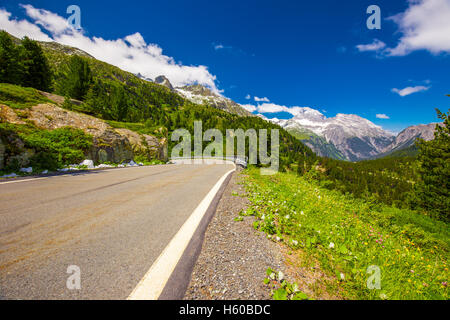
(154,281)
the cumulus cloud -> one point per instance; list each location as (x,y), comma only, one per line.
(131,53)
(376,45)
(383,116)
(257,99)
(276,108)
(409,90)
(425,25)
(271,108)
(249,107)
(21,28)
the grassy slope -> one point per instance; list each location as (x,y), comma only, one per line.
(411,249)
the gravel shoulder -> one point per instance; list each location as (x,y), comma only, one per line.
(234,258)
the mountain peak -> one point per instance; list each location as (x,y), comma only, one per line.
(162,80)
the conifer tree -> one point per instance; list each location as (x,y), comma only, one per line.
(36,71)
(434,157)
(75,79)
(10,71)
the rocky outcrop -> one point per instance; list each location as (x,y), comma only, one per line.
(109,144)
(162,80)
(408,137)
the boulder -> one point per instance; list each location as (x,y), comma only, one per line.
(12,175)
(88,163)
(27,170)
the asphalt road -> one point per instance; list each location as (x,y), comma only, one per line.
(112,224)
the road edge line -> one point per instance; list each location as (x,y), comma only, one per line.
(154,281)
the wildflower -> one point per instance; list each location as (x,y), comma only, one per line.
(383,296)
(444,284)
(342,276)
(331,246)
(287,217)
(294,242)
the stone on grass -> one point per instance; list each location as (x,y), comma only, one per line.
(12,175)
(88,163)
(27,170)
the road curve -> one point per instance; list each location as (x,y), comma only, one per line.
(112,224)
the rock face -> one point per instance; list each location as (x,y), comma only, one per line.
(109,144)
(407,137)
(162,80)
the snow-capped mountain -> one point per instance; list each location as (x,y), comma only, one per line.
(202,95)
(353,136)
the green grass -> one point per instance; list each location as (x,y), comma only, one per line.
(411,249)
(20,98)
(50,149)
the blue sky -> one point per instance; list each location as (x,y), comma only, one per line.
(294,53)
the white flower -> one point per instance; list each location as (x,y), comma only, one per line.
(342,276)
(331,246)
(302,213)
(280,276)
(287,217)
(278,238)
(294,242)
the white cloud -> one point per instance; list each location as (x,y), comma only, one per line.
(219,46)
(132,53)
(21,28)
(271,108)
(249,107)
(409,90)
(376,45)
(383,116)
(248,97)
(425,25)
(262,99)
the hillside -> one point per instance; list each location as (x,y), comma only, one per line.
(124,101)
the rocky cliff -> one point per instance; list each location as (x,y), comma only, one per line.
(109,144)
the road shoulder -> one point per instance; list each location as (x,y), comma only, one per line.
(234,257)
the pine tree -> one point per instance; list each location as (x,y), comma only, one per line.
(10,71)
(434,157)
(36,71)
(75,79)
